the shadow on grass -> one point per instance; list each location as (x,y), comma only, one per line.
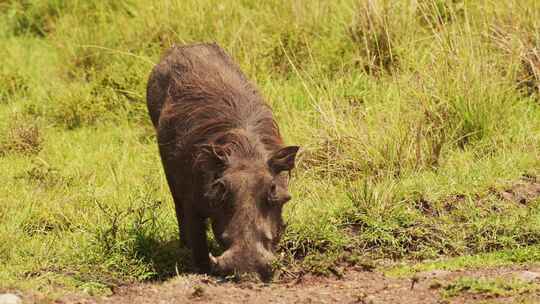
(166,258)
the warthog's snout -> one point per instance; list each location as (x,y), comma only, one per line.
(236,260)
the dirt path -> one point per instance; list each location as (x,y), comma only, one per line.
(353,287)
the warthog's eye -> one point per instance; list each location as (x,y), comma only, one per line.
(217,191)
(278,195)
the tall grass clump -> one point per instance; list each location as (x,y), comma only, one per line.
(22,135)
(374,37)
(11,85)
(435,14)
(35,18)
(519,41)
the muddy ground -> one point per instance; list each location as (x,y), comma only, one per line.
(354,287)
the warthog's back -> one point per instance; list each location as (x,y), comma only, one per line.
(192,68)
(198,96)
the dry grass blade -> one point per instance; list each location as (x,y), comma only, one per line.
(373,37)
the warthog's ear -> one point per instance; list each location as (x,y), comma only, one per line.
(283,159)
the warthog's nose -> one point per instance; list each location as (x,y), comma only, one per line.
(233,261)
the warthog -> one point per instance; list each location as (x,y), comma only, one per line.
(223,157)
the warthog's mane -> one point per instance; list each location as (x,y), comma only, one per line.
(215,111)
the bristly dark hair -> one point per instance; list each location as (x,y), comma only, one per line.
(215,111)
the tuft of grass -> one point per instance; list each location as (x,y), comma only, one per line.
(435,14)
(12,85)
(373,37)
(82,105)
(35,18)
(22,136)
(43,174)
(530,73)
(291,52)
(518,39)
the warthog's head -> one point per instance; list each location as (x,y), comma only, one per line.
(247,201)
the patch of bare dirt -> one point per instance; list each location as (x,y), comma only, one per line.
(523,192)
(353,287)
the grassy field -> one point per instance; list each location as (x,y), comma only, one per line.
(416,120)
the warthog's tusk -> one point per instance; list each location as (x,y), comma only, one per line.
(213,260)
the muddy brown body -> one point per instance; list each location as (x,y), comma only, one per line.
(223,157)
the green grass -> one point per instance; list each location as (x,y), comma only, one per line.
(520,256)
(489,287)
(411,120)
